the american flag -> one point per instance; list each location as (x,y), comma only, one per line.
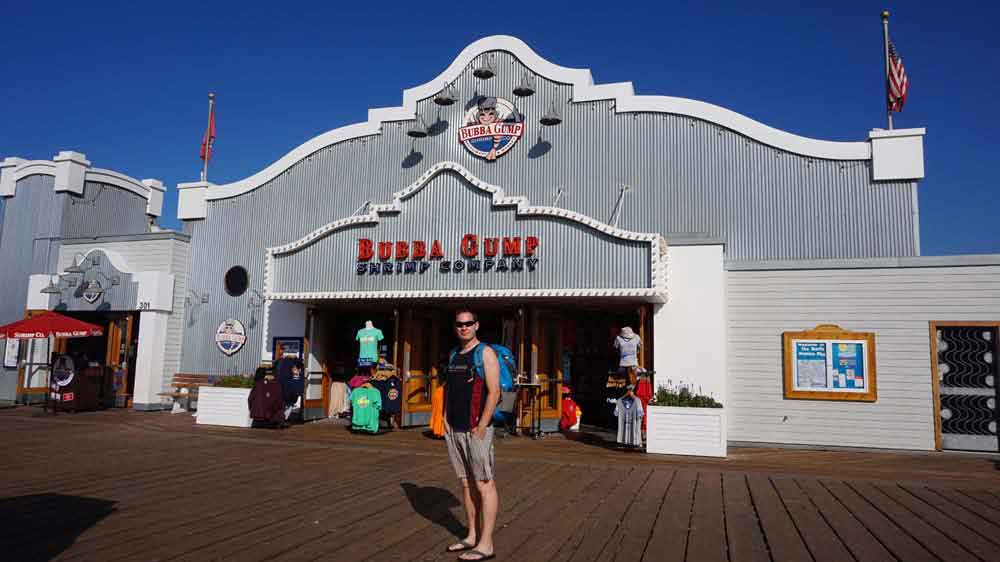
(898,83)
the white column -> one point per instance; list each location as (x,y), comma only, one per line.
(690,329)
(149,360)
(71,171)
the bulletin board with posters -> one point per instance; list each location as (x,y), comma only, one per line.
(829,363)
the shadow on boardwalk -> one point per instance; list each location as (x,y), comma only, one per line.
(50,522)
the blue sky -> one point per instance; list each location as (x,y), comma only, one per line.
(126,83)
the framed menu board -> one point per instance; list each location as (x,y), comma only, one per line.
(829,363)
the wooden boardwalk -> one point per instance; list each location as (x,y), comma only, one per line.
(126,486)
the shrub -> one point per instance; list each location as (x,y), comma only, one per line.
(683,398)
(234,381)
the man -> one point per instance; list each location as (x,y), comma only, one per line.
(470,399)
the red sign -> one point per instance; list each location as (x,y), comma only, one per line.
(469,246)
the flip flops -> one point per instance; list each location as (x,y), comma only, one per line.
(479,556)
(463,546)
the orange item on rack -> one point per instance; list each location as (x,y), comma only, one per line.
(437,411)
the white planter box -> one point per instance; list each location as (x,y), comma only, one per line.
(686,431)
(224,406)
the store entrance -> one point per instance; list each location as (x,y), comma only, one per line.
(107,362)
(590,361)
(556,346)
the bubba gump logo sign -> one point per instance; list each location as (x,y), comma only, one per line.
(508,254)
(491,128)
(230,336)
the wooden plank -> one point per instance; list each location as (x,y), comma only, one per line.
(932,539)
(638,523)
(940,521)
(517,492)
(746,539)
(707,540)
(820,539)
(602,526)
(894,538)
(971,505)
(556,505)
(564,531)
(935,385)
(779,530)
(240,520)
(862,544)
(670,532)
(289,527)
(982,496)
(971,520)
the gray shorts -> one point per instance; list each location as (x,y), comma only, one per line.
(470,456)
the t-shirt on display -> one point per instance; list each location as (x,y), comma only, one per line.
(368,339)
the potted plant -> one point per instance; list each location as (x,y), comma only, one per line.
(680,422)
(226,402)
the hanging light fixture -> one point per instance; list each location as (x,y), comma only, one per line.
(446,96)
(51,289)
(486,71)
(551,117)
(526,87)
(75,268)
(419,129)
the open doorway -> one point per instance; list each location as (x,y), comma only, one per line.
(108,361)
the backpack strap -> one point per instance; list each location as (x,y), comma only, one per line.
(477,359)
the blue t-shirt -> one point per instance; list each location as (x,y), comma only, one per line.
(369,338)
(392,394)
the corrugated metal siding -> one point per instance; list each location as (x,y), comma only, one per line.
(104,210)
(687,177)
(896,304)
(116,297)
(569,256)
(31,225)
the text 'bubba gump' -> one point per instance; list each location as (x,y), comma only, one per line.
(478,254)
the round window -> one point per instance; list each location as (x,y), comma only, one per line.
(237,280)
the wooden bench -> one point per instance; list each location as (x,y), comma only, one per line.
(191,383)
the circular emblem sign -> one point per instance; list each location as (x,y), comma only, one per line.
(92,291)
(63,371)
(230,336)
(491,128)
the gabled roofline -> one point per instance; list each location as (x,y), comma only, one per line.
(584,90)
(71,171)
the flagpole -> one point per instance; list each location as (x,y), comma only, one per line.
(204,169)
(885,51)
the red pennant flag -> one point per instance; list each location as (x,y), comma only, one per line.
(209,139)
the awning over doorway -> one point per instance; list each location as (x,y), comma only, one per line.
(50,324)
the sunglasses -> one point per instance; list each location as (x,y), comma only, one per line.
(464,324)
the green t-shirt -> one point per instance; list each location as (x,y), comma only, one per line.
(366,402)
(369,338)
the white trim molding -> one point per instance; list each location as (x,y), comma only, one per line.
(652,295)
(584,90)
(71,171)
(658,246)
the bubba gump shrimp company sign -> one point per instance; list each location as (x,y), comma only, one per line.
(508,254)
(491,128)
